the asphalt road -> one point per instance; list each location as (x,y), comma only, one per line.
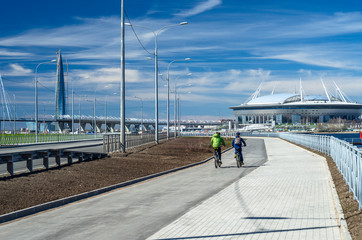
(138,211)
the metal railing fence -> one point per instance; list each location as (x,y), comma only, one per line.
(230,134)
(347,157)
(111,141)
(316,142)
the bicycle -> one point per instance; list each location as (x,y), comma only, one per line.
(239,163)
(217,160)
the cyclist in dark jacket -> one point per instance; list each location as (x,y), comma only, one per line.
(237,143)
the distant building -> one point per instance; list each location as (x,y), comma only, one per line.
(296,108)
(30,126)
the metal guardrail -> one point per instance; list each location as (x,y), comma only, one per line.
(112,143)
(23,139)
(30,156)
(347,157)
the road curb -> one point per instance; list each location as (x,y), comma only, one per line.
(64,201)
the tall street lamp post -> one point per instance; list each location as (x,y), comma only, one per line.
(14,114)
(72,114)
(156,33)
(168,94)
(175,111)
(95,118)
(179,111)
(36,97)
(122,126)
(105,121)
(141,114)
(175,108)
(80,118)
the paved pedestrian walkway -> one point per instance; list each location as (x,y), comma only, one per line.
(292,196)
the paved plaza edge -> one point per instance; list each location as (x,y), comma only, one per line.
(305,207)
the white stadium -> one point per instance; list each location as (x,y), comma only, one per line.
(296,108)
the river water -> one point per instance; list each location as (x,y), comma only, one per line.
(349,137)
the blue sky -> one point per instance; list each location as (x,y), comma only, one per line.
(234,45)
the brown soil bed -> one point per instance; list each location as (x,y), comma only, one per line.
(349,205)
(44,186)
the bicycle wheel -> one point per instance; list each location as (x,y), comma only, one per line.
(238,163)
(216,161)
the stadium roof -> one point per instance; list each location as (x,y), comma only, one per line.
(271,99)
(284,98)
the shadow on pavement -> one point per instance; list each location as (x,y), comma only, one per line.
(250,233)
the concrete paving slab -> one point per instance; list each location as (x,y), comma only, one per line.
(289,197)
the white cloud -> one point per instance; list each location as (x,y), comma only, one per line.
(323,25)
(335,55)
(17,70)
(311,59)
(89,33)
(7,53)
(200,8)
(106,78)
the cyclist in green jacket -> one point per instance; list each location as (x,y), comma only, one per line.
(216,142)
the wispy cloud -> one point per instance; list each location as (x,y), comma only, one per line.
(9,53)
(17,70)
(332,55)
(322,25)
(107,79)
(88,33)
(200,8)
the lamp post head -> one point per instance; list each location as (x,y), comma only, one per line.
(183,23)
